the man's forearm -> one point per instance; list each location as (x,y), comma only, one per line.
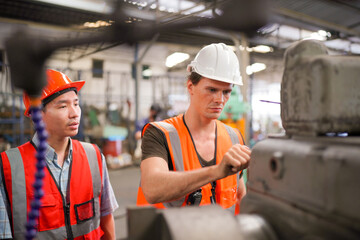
(161,186)
(107,225)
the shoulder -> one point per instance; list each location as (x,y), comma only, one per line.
(170,124)
(25,146)
(153,132)
(234,133)
(163,125)
(83,144)
(89,148)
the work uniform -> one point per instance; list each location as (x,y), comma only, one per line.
(72,204)
(184,157)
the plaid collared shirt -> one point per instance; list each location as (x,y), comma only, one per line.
(5,231)
(61,175)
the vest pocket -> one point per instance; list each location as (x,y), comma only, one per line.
(228,197)
(49,213)
(85,211)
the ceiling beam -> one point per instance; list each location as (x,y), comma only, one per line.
(314,21)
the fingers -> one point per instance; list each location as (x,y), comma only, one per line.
(235,159)
(238,157)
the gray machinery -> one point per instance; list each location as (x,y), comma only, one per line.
(303,185)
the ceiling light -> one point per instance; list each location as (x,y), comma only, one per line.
(256,67)
(162,8)
(259,49)
(176,58)
(147,73)
(97,24)
(320,35)
(262,49)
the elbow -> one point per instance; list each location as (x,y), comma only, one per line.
(150,196)
(151,191)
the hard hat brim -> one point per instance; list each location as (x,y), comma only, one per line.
(192,68)
(78,85)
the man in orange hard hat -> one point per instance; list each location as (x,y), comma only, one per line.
(194,159)
(78,199)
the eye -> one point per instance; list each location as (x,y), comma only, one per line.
(227,92)
(212,90)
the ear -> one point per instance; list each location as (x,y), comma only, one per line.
(43,110)
(189,86)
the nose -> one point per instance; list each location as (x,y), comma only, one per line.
(219,97)
(74,111)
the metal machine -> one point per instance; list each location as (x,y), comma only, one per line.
(302,185)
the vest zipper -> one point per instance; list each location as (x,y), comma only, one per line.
(67,221)
(66,208)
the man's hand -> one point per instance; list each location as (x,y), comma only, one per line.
(235,159)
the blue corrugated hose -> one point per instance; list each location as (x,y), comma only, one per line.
(40,156)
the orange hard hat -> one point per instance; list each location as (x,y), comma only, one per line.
(57,81)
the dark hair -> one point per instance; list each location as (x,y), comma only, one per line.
(195,78)
(155,107)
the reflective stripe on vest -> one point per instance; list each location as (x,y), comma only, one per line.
(18,191)
(79,229)
(235,140)
(175,144)
(19,198)
(94,167)
(179,164)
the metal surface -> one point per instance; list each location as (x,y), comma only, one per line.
(319,93)
(203,223)
(206,222)
(309,184)
(305,185)
(254,227)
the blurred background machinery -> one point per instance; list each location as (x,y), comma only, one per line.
(301,185)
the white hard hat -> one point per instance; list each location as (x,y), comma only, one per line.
(218,62)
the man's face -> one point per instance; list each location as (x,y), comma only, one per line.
(62,115)
(209,97)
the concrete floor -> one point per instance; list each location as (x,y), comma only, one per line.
(125,182)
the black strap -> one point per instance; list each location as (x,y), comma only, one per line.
(213,193)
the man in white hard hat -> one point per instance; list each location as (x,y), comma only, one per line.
(194,159)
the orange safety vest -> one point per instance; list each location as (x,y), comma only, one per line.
(80,219)
(184,158)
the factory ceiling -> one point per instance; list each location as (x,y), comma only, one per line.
(336,21)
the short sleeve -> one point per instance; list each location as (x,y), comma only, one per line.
(154,144)
(108,200)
